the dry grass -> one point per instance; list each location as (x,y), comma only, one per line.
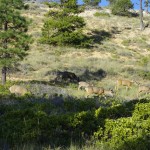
(119,48)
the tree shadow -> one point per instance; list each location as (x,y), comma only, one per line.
(99,36)
(88,75)
(84,76)
(133,14)
(115,30)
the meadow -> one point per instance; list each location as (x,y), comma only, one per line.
(58,115)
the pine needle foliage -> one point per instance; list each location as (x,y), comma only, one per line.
(91,2)
(121,7)
(14,42)
(64,27)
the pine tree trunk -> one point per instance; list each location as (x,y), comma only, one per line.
(147,9)
(4,70)
(141,16)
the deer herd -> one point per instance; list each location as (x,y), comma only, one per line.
(89,88)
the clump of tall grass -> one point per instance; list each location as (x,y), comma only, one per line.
(101,14)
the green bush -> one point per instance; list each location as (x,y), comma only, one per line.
(52,4)
(119,126)
(121,7)
(144,74)
(4,89)
(91,2)
(127,133)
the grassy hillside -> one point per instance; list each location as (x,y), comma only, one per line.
(121,50)
(58,116)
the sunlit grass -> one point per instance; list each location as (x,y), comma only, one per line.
(119,49)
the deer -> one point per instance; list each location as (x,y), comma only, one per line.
(18,90)
(83,84)
(99,91)
(109,93)
(143,89)
(94,90)
(126,83)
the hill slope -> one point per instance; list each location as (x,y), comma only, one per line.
(121,50)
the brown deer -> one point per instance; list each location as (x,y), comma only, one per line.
(94,90)
(109,93)
(98,91)
(83,84)
(143,89)
(126,83)
(18,90)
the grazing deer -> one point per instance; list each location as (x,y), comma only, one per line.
(18,90)
(109,93)
(99,91)
(94,90)
(126,83)
(83,84)
(143,89)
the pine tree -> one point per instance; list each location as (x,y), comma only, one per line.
(121,7)
(91,2)
(13,38)
(147,5)
(141,16)
(64,27)
(111,1)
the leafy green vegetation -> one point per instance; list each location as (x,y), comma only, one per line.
(127,133)
(14,41)
(91,2)
(144,74)
(58,116)
(64,28)
(110,124)
(121,7)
